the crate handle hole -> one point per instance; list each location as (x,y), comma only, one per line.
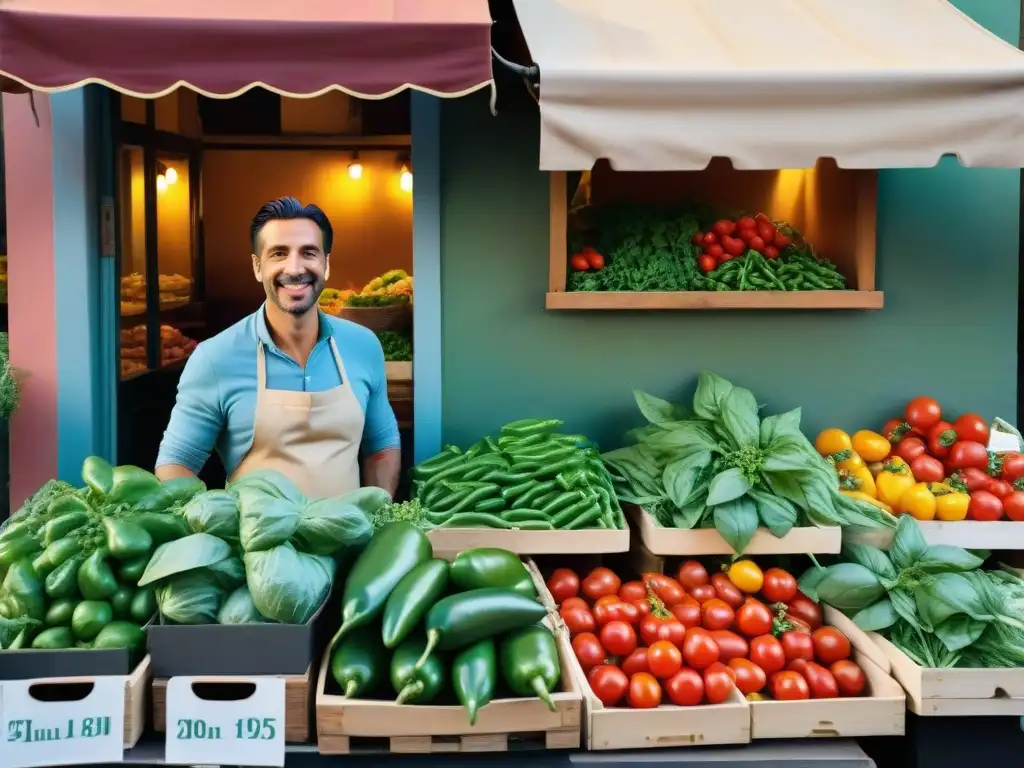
(223,691)
(53,692)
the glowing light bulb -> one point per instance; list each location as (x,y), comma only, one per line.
(355,171)
(405,180)
(161,183)
(171,175)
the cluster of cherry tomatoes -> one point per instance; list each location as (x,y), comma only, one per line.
(728,239)
(697,638)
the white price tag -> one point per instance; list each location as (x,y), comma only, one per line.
(246,730)
(37,730)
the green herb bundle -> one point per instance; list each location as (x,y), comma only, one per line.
(932,601)
(723,466)
(397,345)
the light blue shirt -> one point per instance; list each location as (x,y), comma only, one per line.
(216,404)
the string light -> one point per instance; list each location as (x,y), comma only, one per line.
(171,175)
(405,179)
(161,183)
(355,168)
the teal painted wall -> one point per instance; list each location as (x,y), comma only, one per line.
(947,261)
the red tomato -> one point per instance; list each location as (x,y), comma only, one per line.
(692,574)
(685,688)
(968,454)
(707,263)
(698,238)
(798,665)
(1013,466)
(633,590)
(746,222)
(941,438)
(771,252)
(754,618)
(716,251)
(727,591)
(664,659)
(830,645)
(805,609)
(730,645)
(1000,489)
(849,677)
(757,243)
(734,246)
(601,582)
(643,608)
(665,587)
(609,684)
(973,479)
(688,612)
(895,430)
(654,628)
(779,586)
(699,648)
(766,231)
(710,238)
(610,608)
(1013,506)
(716,614)
(789,686)
(797,645)
(579,263)
(718,683)
(594,259)
(984,507)
(924,468)
(750,678)
(644,691)
(821,682)
(767,653)
(922,413)
(909,448)
(746,234)
(635,662)
(629,613)
(971,427)
(579,620)
(724,227)
(763,217)
(618,638)
(781,241)
(563,584)
(703,592)
(573,603)
(588,650)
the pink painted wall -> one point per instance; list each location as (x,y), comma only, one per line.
(28,158)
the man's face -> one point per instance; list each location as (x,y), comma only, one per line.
(291,264)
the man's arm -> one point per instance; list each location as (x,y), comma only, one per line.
(383,468)
(196,421)
(382,444)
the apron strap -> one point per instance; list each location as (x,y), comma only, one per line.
(261,367)
(337,361)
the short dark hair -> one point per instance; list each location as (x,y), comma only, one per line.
(290,208)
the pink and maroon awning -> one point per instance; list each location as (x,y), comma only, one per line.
(220,48)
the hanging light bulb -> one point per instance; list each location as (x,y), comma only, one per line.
(405,179)
(171,175)
(161,183)
(355,168)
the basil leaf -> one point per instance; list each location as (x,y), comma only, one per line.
(656,410)
(196,551)
(872,558)
(683,438)
(850,587)
(810,580)
(736,522)
(785,457)
(945,558)
(712,390)
(958,632)
(877,616)
(778,514)
(946,595)
(727,486)
(781,425)
(787,486)
(905,606)
(908,544)
(739,417)
(687,517)
(681,477)
(820,510)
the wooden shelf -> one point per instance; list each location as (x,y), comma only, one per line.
(627,300)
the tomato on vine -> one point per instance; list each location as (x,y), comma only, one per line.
(923,413)
(971,427)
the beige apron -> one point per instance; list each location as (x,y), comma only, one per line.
(312,438)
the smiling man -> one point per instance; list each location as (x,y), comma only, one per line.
(287,388)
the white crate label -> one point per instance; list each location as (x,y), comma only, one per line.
(247,730)
(37,732)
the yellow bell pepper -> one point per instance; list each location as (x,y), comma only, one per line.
(894,479)
(861,496)
(950,504)
(849,461)
(829,442)
(866,479)
(918,502)
(870,445)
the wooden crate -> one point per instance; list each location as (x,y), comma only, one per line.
(651,543)
(834,208)
(530,542)
(342,723)
(955,692)
(881,712)
(298,693)
(968,534)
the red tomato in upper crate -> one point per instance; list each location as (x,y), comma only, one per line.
(925,468)
(633,590)
(734,246)
(771,252)
(781,241)
(821,682)
(922,413)
(746,222)
(685,688)
(895,430)
(766,231)
(609,684)
(724,227)
(703,592)
(730,645)
(611,608)
(579,620)
(668,590)
(618,638)
(767,653)
(664,659)
(573,603)
(753,618)
(798,665)
(763,217)
(971,427)
(579,262)
(601,582)
(727,591)
(563,584)
(688,612)
(803,608)
(716,614)
(984,507)
(589,650)
(909,448)
(941,438)
(594,259)
(698,238)
(707,263)
(636,662)
(779,586)
(718,683)
(710,238)
(643,608)
(849,677)
(750,678)
(692,574)
(1013,466)
(1013,506)
(968,454)
(789,686)
(1000,489)
(716,251)
(830,645)
(644,691)
(654,628)
(975,479)
(797,645)
(757,243)
(699,648)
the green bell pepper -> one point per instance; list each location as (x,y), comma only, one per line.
(60,612)
(125,539)
(59,527)
(161,526)
(95,579)
(98,475)
(120,634)
(416,683)
(131,571)
(54,639)
(17,548)
(89,617)
(529,663)
(63,580)
(415,594)
(173,493)
(492,567)
(143,605)
(131,484)
(24,585)
(121,602)
(57,554)
(475,676)
(358,663)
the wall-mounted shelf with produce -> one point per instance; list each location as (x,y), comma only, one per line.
(629,241)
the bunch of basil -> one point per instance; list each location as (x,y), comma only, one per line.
(721,465)
(932,601)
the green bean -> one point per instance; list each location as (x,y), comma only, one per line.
(475,520)
(509,443)
(512,491)
(538,490)
(585,520)
(562,501)
(470,500)
(533,525)
(494,505)
(566,515)
(520,515)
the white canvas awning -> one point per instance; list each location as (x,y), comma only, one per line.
(669,84)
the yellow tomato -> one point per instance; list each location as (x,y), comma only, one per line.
(950,504)
(893,481)
(870,445)
(832,441)
(918,502)
(746,576)
(860,496)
